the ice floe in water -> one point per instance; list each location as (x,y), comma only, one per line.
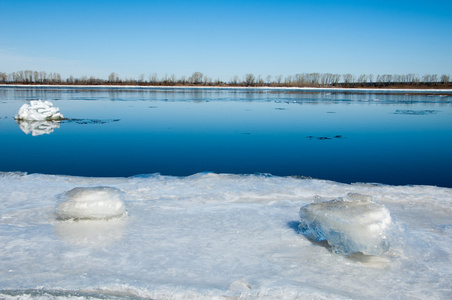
(351,224)
(91,203)
(38,111)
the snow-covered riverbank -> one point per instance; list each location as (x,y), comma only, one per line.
(216,235)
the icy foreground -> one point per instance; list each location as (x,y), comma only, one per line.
(350,225)
(38,111)
(215,236)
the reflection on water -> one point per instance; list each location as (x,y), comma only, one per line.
(37,127)
(415,112)
(90,121)
(368,137)
(215,94)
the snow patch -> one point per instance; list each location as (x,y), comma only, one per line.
(38,111)
(350,225)
(91,203)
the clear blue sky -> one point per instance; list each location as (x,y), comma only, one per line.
(226,38)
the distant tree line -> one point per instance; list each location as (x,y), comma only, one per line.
(249,80)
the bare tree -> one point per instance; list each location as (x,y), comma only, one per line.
(20,76)
(427,78)
(260,80)
(35,76)
(314,78)
(445,78)
(249,79)
(11,77)
(299,79)
(268,79)
(434,78)
(28,76)
(153,78)
(234,80)
(112,78)
(362,78)
(348,78)
(183,80)
(172,79)
(288,80)
(207,80)
(326,79)
(43,76)
(84,79)
(196,78)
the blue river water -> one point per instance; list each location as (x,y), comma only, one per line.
(399,138)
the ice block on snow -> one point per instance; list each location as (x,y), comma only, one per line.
(351,224)
(91,203)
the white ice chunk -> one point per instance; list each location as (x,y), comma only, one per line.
(38,111)
(350,225)
(91,203)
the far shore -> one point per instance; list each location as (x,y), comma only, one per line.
(386,90)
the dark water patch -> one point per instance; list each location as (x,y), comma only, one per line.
(415,112)
(280,108)
(326,137)
(302,177)
(293,225)
(91,121)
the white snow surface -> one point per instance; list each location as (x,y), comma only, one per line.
(215,236)
(350,225)
(37,110)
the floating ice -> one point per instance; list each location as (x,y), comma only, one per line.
(38,111)
(91,203)
(350,225)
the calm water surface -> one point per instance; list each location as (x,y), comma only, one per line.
(369,137)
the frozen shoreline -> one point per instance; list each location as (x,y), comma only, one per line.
(213,236)
(301,89)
